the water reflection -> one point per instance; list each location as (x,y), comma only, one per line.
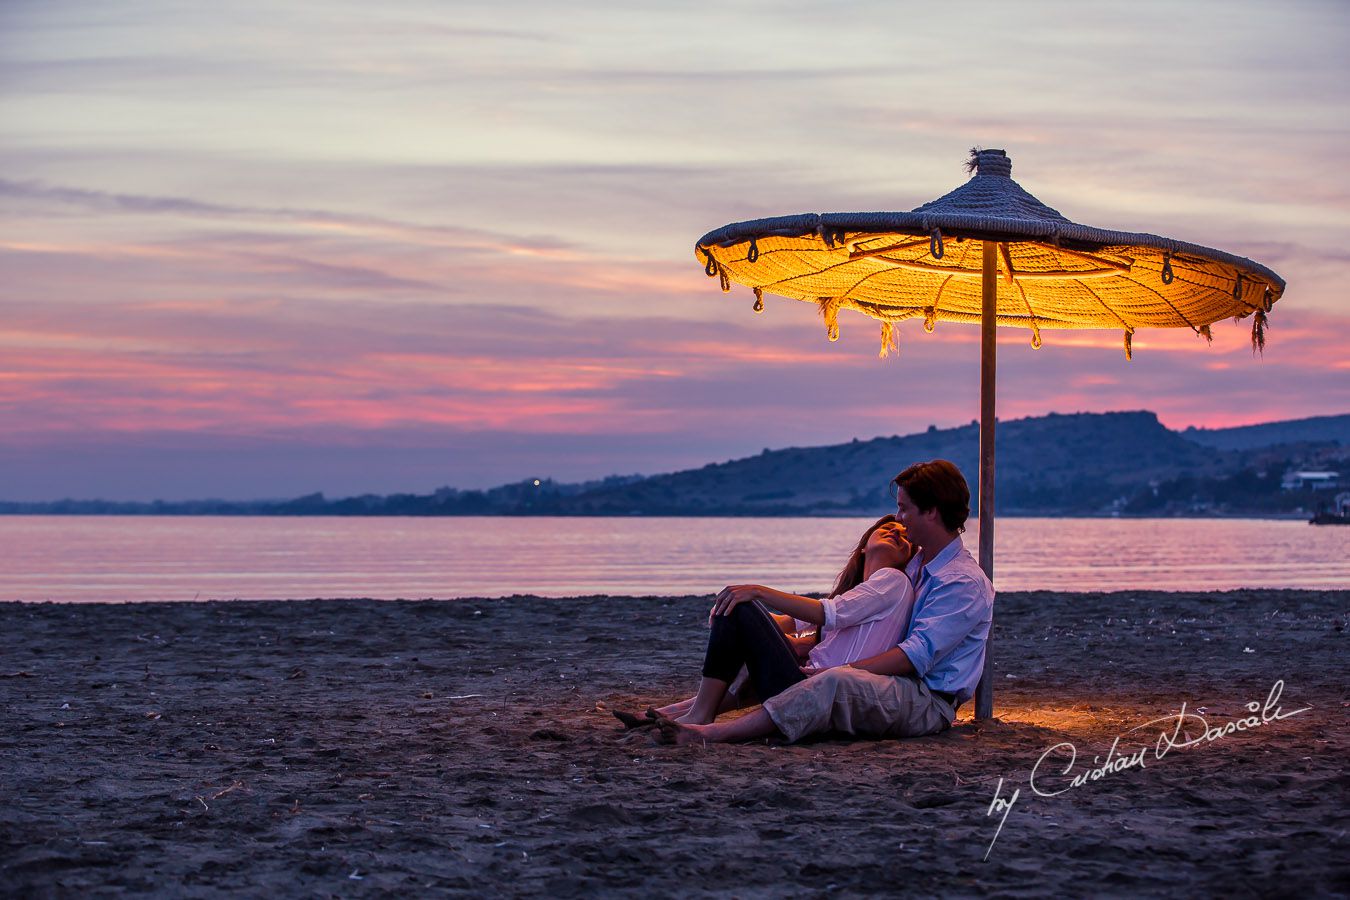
(114,558)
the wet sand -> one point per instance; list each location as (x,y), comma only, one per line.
(359,748)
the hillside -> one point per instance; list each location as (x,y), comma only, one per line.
(1320,429)
(1070,463)
(1081,464)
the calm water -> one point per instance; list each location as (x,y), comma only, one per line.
(107,558)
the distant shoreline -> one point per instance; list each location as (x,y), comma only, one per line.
(857,514)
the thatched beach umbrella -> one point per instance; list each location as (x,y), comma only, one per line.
(989,253)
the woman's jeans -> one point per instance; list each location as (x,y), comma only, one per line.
(749,637)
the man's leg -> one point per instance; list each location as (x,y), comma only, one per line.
(856,702)
(749,727)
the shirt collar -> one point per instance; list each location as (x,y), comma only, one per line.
(947,554)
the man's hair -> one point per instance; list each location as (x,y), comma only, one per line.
(938,484)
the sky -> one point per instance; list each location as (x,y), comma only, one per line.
(255,250)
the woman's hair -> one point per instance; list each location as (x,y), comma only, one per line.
(852,574)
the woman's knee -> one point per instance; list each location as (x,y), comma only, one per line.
(750,615)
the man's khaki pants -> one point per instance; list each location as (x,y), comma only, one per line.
(856,702)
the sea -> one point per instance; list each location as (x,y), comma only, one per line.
(119,559)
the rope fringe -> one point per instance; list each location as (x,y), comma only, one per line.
(1129,348)
(759,300)
(888,345)
(929,319)
(829,311)
(1259,332)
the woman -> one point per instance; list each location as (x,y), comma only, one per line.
(865,614)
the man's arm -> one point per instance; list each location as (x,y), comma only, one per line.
(891,662)
(950,613)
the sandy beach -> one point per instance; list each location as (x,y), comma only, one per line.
(357,748)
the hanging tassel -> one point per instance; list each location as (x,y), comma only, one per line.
(752,254)
(829,311)
(929,319)
(1035,336)
(710,267)
(725,280)
(887,340)
(1259,332)
(1205,333)
(1129,338)
(1167,269)
(759,300)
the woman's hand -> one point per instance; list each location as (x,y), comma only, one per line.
(732,596)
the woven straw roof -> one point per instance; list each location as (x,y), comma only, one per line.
(1053,273)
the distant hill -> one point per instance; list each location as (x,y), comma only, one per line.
(1082,464)
(1061,463)
(1319,429)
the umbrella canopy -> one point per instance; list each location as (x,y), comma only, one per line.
(1054,273)
(989,252)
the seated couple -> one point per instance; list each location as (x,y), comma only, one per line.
(899,643)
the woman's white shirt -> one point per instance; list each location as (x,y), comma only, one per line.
(870,619)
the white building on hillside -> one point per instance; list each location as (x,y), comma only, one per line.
(1318,481)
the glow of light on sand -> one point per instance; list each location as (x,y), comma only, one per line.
(1061,718)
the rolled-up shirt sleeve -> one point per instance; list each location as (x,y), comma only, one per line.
(869,600)
(950,612)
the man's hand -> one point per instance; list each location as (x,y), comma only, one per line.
(732,596)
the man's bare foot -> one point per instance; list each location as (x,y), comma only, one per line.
(673,733)
(631,721)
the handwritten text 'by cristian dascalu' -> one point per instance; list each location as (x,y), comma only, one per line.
(1050,778)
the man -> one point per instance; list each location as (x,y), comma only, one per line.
(914,688)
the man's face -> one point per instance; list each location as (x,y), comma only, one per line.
(918,524)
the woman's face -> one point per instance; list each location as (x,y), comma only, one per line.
(888,546)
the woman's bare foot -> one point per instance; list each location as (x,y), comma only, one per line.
(670,710)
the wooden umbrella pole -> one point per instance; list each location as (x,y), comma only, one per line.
(984,693)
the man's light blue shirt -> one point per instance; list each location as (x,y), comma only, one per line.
(953,609)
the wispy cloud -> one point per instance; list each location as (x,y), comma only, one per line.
(473,231)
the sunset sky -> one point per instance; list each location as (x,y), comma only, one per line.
(259,249)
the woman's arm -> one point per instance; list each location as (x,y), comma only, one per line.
(804,608)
